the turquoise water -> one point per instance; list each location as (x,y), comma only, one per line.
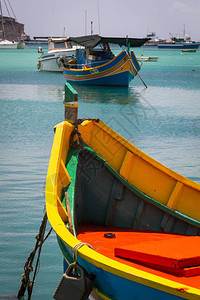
(162,120)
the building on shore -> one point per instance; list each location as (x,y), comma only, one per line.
(13,30)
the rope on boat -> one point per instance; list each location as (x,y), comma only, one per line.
(76,282)
(136,69)
(27,283)
(69,213)
(78,142)
(75,253)
(77,247)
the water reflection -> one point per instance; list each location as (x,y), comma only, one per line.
(26,92)
(101,94)
(127,113)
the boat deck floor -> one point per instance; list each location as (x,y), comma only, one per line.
(152,252)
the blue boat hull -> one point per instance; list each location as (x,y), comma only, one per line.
(121,79)
(122,288)
(179,46)
(117,72)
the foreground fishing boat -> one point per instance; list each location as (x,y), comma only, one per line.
(127,226)
(97,65)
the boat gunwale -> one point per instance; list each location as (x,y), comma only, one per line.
(99,66)
(109,72)
(90,255)
(146,157)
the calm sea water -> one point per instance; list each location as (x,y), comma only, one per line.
(162,120)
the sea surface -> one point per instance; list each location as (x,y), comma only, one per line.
(163,120)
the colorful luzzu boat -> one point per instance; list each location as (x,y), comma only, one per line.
(97,65)
(123,221)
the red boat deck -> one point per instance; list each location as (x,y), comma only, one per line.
(172,256)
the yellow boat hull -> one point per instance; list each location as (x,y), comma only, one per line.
(177,197)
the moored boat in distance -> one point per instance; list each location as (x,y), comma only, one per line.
(129,225)
(179,43)
(97,65)
(148,58)
(188,50)
(60,50)
(5,44)
(154,40)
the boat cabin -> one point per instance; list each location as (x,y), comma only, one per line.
(59,44)
(95,50)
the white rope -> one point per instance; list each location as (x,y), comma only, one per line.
(77,247)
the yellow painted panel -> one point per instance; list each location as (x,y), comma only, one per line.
(189,203)
(151,181)
(64,175)
(86,129)
(148,175)
(63,178)
(108,148)
(127,165)
(175,195)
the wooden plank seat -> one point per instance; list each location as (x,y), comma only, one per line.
(176,257)
(177,254)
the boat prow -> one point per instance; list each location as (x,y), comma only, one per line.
(118,213)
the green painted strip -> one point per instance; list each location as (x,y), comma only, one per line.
(71,164)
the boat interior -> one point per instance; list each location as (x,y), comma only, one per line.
(89,58)
(124,224)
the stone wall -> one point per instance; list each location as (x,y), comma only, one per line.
(14,31)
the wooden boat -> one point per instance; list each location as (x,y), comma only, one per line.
(178,46)
(148,58)
(59,51)
(188,50)
(179,43)
(121,216)
(184,42)
(97,65)
(5,44)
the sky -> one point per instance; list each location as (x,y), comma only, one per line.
(134,18)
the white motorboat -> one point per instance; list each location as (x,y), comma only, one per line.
(60,50)
(5,44)
(147,58)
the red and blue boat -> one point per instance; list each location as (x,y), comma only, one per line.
(97,65)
